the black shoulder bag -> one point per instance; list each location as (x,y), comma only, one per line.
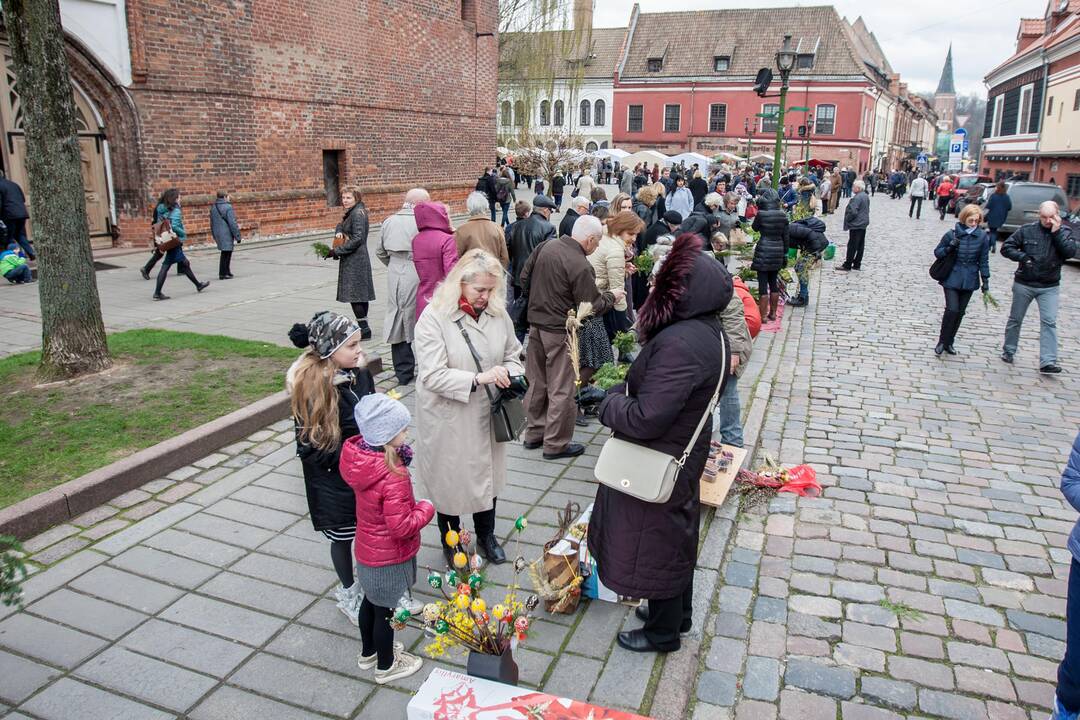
(507,411)
(943,266)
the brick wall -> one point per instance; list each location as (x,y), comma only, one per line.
(246,97)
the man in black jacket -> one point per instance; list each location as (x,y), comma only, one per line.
(527,234)
(486,185)
(13,213)
(1041,248)
(578,206)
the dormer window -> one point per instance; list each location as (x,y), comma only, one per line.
(804,61)
(654,64)
(721,63)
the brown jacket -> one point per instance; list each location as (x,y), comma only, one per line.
(559,278)
(479,232)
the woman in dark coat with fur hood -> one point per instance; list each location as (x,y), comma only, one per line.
(770,253)
(649,550)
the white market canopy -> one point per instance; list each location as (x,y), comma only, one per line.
(646,156)
(703,161)
(727,157)
(763,157)
(613,153)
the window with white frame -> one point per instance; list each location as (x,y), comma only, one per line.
(586,113)
(558,119)
(1023,115)
(999,108)
(672,115)
(768,124)
(599,113)
(721,63)
(717,118)
(505,118)
(545,112)
(519,113)
(825,120)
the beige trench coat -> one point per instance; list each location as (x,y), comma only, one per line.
(457,458)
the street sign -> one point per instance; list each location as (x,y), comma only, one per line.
(798,108)
(767,115)
(960,131)
(965,145)
(956,149)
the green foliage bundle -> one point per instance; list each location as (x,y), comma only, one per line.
(609,375)
(12,571)
(624,342)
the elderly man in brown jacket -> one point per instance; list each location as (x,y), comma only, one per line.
(480,232)
(559,278)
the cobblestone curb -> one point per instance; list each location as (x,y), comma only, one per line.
(63,502)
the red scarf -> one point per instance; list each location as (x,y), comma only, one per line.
(466,307)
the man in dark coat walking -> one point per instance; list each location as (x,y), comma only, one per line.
(649,550)
(13,213)
(856,220)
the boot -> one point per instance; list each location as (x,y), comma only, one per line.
(365,330)
(774,300)
(763,306)
(489,548)
(948,330)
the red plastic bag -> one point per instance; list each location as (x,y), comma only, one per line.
(802,480)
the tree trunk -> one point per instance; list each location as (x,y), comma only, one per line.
(72,331)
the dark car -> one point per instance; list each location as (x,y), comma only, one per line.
(1072,221)
(1026,198)
(963,183)
(975,194)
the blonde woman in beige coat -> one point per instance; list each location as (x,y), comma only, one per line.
(457,457)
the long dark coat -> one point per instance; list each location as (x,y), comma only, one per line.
(649,550)
(354,283)
(772,222)
(331,501)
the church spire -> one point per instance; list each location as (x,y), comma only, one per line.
(945,85)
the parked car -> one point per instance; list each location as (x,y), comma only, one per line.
(1073,221)
(1026,198)
(963,184)
(977,193)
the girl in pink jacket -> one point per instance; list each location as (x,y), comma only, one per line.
(388,522)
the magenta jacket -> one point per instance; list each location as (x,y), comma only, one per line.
(388,517)
(434,250)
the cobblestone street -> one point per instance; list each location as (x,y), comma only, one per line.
(927,582)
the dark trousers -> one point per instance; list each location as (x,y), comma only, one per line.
(155,256)
(360,310)
(942,205)
(183,267)
(993,232)
(491,206)
(16,233)
(916,205)
(667,617)
(404,362)
(956,302)
(483,522)
(855,244)
(224,264)
(1068,688)
(376,635)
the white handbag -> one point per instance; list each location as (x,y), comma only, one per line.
(646,474)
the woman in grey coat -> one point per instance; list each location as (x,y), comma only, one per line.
(394,250)
(225,230)
(354,285)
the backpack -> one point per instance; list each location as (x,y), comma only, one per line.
(501,193)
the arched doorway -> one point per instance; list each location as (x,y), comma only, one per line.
(91,149)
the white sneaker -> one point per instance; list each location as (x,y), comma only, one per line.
(404,665)
(366,662)
(414,606)
(348,601)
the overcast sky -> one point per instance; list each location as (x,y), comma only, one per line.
(914,34)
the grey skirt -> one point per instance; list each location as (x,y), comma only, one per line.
(384,586)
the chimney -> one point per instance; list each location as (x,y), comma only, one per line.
(583,15)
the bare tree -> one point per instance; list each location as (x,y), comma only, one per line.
(548,154)
(72,331)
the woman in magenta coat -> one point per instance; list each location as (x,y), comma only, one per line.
(434,250)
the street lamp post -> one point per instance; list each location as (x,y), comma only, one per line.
(809,129)
(749,129)
(785,63)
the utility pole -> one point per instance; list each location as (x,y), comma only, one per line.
(785,63)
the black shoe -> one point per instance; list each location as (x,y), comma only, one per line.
(202,286)
(939,348)
(635,641)
(365,333)
(145,273)
(1007,357)
(950,349)
(571,450)
(1050,369)
(490,550)
(642,614)
(581,420)
(230,276)
(841,267)
(159,296)
(532,444)
(222,277)
(405,380)
(796,302)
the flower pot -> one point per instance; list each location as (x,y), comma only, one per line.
(499,668)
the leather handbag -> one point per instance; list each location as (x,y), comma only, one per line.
(646,474)
(164,237)
(943,266)
(507,412)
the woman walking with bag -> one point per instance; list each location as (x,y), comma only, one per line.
(458,458)
(168,207)
(645,549)
(355,285)
(970,247)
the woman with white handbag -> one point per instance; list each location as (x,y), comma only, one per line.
(643,531)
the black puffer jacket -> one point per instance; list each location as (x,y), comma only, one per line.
(808,235)
(772,222)
(331,502)
(524,238)
(1040,253)
(649,550)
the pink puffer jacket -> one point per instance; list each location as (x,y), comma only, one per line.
(388,517)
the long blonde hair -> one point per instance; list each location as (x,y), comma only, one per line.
(314,401)
(472,265)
